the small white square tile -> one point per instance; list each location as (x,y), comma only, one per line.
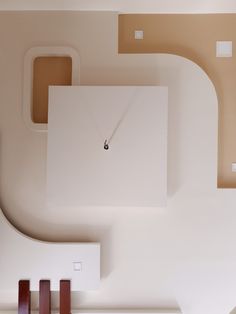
(138,34)
(224,49)
(233,166)
(77,266)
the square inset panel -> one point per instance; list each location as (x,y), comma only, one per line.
(224,49)
(48,71)
(233,166)
(77,266)
(138,34)
(45,66)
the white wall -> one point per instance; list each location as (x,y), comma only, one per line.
(25,258)
(182,256)
(125,6)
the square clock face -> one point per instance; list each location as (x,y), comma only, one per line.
(107,146)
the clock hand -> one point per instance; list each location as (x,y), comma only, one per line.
(106,146)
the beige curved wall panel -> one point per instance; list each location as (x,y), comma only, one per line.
(194,37)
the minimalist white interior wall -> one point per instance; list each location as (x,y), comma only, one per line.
(147,6)
(25,258)
(182,256)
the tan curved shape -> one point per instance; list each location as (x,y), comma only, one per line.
(194,37)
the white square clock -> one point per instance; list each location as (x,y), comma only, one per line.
(107,146)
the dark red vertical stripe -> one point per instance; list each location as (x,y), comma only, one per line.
(24,297)
(65,307)
(44,297)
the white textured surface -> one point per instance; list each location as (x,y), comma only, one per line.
(133,171)
(127,6)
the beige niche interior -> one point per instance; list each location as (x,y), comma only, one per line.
(44,67)
(48,71)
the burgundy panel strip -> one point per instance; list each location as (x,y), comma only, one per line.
(24,297)
(65,307)
(44,297)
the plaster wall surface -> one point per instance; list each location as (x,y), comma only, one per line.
(125,6)
(182,256)
(194,37)
(26,258)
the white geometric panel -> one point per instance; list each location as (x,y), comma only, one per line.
(138,34)
(224,49)
(132,120)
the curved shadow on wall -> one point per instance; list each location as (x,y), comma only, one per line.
(102,235)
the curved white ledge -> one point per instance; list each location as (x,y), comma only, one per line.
(25,258)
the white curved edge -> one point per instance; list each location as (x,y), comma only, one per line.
(25,258)
(29,58)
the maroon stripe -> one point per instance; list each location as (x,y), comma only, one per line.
(44,297)
(65,307)
(24,297)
